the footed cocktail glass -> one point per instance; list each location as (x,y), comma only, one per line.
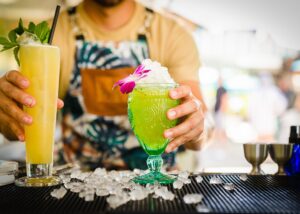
(147,111)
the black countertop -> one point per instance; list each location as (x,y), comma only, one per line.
(258,194)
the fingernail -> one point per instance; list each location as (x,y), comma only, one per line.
(27,119)
(172,114)
(168,149)
(173,94)
(168,134)
(21,137)
(29,101)
(61,103)
(24,83)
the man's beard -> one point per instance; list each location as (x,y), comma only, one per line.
(109,3)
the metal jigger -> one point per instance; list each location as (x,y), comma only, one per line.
(255,154)
(280,154)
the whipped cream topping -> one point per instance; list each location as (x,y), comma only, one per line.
(157,74)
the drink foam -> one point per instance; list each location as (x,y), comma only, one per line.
(158,73)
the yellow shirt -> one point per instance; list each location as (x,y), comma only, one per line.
(169,43)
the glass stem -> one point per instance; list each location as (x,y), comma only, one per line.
(154,163)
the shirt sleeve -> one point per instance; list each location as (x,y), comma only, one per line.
(183,60)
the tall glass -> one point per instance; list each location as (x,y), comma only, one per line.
(40,64)
(147,111)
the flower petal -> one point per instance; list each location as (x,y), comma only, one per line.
(127,87)
(119,83)
(146,71)
(123,81)
(139,70)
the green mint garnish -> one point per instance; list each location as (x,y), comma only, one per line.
(37,33)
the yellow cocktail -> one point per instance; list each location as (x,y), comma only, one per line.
(40,64)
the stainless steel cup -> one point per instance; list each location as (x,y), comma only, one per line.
(280,154)
(256,154)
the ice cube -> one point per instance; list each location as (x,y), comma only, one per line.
(192,198)
(76,189)
(125,179)
(115,201)
(215,180)
(164,193)
(82,194)
(89,190)
(82,176)
(114,188)
(89,197)
(183,174)
(199,179)
(151,188)
(202,208)
(168,196)
(184,180)
(229,186)
(178,184)
(100,172)
(155,196)
(75,174)
(59,193)
(102,192)
(243,177)
(66,180)
(138,194)
(68,185)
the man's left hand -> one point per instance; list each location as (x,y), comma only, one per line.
(189,131)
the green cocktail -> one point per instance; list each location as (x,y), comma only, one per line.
(147,111)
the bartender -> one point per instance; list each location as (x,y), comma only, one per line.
(102,41)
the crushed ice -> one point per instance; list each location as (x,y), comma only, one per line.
(229,186)
(202,208)
(118,188)
(199,179)
(192,198)
(59,193)
(215,180)
(243,177)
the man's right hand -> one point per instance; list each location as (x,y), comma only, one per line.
(12,98)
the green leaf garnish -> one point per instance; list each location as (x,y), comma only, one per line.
(31,27)
(37,33)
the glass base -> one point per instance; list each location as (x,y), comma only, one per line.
(38,175)
(154,177)
(38,182)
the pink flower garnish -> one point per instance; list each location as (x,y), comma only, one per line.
(128,83)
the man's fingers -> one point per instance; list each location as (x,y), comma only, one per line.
(195,120)
(180,92)
(189,107)
(17,94)
(16,78)
(11,128)
(178,141)
(9,107)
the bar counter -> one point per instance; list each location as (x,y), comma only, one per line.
(258,194)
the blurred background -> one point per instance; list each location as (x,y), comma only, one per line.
(250,74)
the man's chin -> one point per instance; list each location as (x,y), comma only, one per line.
(109,3)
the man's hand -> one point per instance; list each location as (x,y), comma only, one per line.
(12,98)
(189,131)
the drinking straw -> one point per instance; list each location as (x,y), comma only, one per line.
(54,24)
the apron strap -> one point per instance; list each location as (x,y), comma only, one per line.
(79,35)
(78,32)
